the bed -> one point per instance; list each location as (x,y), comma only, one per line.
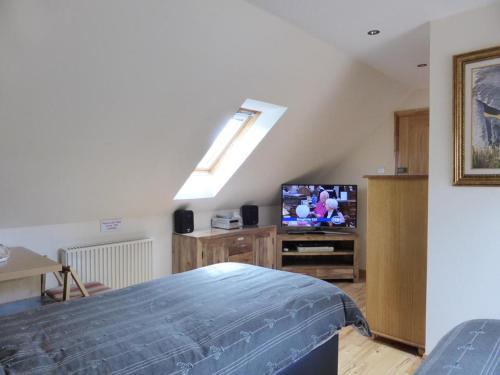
(227,318)
(471,348)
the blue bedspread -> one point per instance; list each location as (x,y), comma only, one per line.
(471,348)
(223,319)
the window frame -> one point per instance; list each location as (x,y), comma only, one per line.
(249,122)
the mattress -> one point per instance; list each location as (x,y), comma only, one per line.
(227,318)
(471,348)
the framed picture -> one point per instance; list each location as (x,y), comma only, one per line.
(477,117)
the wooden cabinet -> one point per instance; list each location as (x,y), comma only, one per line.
(396,264)
(202,248)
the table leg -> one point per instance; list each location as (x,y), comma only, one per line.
(66,286)
(42,284)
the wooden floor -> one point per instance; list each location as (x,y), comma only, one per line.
(360,355)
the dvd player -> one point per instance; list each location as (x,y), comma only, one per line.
(314,249)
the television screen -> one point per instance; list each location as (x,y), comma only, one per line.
(319,206)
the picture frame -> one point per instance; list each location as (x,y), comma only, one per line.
(476,102)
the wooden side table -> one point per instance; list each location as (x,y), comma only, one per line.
(24,264)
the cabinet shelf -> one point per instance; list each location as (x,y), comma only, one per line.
(347,267)
(342,263)
(316,253)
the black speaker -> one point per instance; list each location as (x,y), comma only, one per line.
(183,221)
(250,214)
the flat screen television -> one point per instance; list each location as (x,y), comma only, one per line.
(320,207)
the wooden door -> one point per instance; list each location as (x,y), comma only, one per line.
(397,258)
(265,249)
(412,142)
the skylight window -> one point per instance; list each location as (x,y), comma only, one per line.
(235,142)
(232,129)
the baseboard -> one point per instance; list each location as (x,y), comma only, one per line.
(420,349)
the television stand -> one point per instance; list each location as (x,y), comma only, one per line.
(301,232)
(339,233)
(318,232)
(295,253)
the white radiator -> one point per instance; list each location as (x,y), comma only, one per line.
(116,265)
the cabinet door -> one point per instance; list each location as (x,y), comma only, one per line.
(265,249)
(214,251)
(186,253)
(396,258)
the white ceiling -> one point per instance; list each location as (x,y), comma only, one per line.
(396,51)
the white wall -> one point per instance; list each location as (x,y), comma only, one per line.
(48,239)
(376,151)
(107,106)
(463,277)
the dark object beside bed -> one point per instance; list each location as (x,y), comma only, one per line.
(223,319)
(471,348)
(321,361)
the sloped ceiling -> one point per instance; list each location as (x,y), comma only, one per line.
(107,106)
(404,39)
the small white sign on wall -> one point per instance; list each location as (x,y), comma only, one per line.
(111,225)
